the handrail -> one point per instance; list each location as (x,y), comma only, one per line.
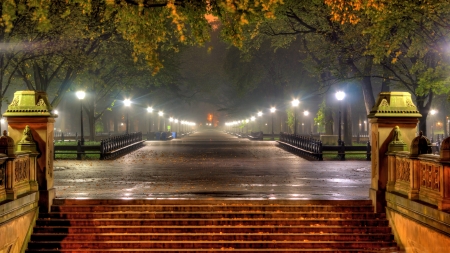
(314,148)
(109,145)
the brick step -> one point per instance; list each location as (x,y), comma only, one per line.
(212,215)
(207,202)
(162,225)
(210,245)
(214,229)
(210,222)
(211,208)
(384,250)
(212,237)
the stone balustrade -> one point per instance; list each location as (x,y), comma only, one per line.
(17,171)
(421,176)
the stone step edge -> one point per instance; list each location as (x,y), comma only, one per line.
(193,202)
(215,219)
(385,250)
(206,242)
(220,205)
(212,212)
(212,226)
(211,233)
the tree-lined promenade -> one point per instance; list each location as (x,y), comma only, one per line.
(114,49)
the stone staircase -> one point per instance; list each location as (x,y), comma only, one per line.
(211,226)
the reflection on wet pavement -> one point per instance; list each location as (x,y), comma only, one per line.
(212,164)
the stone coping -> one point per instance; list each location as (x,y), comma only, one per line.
(209,201)
(18,207)
(424,214)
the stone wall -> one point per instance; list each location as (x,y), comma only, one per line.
(17,219)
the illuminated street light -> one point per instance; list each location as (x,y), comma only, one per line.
(160,113)
(2,121)
(432,112)
(340,95)
(272,111)
(295,103)
(306,113)
(149,110)
(127,103)
(80,95)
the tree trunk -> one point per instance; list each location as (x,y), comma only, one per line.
(369,99)
(386,81)
(91,120)
(116,129)
(328,121)
(423,109)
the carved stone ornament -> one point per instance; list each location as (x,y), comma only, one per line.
(394,104)
(420,145)
(15,101)
(397,144)
(6,144)
(41,102)
(444,151)
(27,136)
(384,103)
(409,103)
(30,103)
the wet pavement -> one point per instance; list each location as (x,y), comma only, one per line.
(212,164)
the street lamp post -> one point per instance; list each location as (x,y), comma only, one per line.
(80,96)
(295,103)
(2,121)
(340,95)
(160,113)
(253,122)
(306,114)
(260,115)
(149,110)
(432,112)
(171,120)
(272,111)
(127,103)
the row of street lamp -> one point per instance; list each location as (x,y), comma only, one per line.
(127,102)
(340,95)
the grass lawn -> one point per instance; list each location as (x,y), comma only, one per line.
(270,138)
(74,155)
(74,143)
(332,156)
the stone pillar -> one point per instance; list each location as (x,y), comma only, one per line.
(31,112)
(391,109)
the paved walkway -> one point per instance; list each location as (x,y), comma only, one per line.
(212,164)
